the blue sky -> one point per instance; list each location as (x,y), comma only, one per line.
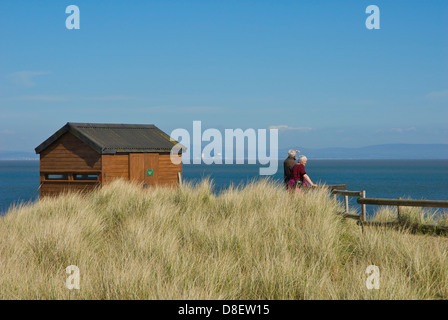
(310,68)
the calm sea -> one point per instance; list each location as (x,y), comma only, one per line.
(415,179)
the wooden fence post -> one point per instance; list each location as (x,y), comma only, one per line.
(346,204)
(363,195)
(398,210)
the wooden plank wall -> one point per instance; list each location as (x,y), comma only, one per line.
(139,163)
(68,155)
(136,167)
(167,170)
(115,166)
(152,162)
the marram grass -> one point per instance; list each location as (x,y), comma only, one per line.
(252,242)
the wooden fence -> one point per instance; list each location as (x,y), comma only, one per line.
(405,203)
(363,201)
(347,194)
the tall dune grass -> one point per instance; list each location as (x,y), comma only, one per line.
(252,242)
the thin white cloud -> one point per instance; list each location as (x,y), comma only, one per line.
(203,109)
(25,78)
(283,127)
(41,98)
(109,98)
(436,95)
(397,130)
(67,98)
(6,132)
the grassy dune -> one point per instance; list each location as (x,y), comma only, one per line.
(255,242)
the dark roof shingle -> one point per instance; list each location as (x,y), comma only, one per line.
(112,138)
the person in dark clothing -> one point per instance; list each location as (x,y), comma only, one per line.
(288,164)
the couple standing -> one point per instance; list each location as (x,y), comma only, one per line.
(295,174)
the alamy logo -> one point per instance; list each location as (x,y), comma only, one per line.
(373,21)
(73,20)
(373,280)
(72,281)
(216,151)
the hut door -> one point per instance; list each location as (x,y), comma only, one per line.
(144,168)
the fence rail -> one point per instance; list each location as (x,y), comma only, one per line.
(351,216)
(404,202)
(334,186)
(340,190)
(363,201)
(347,193)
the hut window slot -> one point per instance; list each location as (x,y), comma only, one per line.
(55,176)
(85,177)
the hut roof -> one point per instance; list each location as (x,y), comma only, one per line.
(112,138)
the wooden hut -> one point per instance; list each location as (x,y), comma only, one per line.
(82,156)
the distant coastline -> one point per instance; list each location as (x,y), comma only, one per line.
(281,159)
(18,155)
(374,152)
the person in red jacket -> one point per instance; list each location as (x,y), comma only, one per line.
(299,177)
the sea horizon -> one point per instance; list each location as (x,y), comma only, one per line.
(281,159)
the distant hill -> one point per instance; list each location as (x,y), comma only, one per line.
(384,151)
